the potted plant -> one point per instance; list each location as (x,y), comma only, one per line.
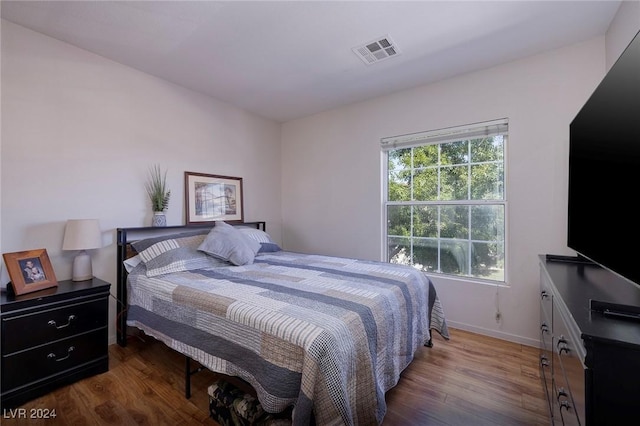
(159,195)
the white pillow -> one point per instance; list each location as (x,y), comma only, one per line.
(228,243)
(131,263)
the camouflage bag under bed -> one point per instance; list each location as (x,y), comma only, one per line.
(230,406)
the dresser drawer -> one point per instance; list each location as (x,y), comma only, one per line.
(41,362)
(32,329)
(568,371)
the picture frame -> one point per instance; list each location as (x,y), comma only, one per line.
(29,271)
(209,198)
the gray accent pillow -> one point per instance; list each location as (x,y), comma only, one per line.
(227,243)
(269,248)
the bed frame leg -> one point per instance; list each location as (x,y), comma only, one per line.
(187,376)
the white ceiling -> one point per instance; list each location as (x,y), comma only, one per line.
(289,59)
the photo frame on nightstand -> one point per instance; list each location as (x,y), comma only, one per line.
(29,271)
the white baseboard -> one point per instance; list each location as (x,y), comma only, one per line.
(495,333)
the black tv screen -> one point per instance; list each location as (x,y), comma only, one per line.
(604,170)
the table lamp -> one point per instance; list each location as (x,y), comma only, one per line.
(82,234)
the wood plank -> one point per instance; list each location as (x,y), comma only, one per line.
(471,379)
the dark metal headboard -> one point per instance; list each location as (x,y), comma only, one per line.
(126,236)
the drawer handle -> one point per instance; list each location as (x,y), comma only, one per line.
(53,356)
(52,323)
(564,348)
(565,404)
(561,393)
(544,361)
(544,294)
(544,327)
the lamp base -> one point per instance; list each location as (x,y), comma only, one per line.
(82,267)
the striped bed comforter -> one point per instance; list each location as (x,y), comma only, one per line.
(327,335)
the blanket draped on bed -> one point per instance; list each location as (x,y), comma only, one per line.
(327,335)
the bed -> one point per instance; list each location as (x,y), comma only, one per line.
(325,335)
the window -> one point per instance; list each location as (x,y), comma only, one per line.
(445,202)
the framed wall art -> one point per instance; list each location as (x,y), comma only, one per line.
(212,197)
(30,271)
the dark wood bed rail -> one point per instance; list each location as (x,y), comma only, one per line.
(124,238)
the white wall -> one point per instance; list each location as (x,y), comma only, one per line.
(623,28)
(331,176)
(79,133)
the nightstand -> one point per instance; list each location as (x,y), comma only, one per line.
(52,338)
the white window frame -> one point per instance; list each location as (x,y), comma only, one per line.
(441,136)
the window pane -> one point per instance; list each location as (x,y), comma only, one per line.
(425,221)
(487,223)
(454,153)
(487,181)
(399,159)
(399,185)
(424,156)
(454,222)
(488,261)
(454,181)
(454,257)
(487,149)
(399,250)
(399,221)
(425,254)
(425,185)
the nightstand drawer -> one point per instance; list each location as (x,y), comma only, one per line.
(28,330)
(41,362)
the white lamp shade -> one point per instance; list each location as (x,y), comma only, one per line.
(82,234)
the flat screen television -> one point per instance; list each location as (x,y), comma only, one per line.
(604,170)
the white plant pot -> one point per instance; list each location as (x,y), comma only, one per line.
(159,219)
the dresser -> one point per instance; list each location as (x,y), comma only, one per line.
(52,338)
(589,358)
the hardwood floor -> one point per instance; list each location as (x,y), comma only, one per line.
(469,380)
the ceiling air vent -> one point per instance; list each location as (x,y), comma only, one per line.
(377,50)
